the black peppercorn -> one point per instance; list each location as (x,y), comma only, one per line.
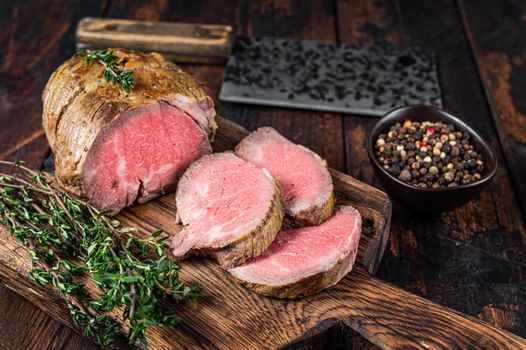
(429,154)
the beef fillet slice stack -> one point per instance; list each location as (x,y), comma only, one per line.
(303,261)
(231,209)
(307,184)
(116,148)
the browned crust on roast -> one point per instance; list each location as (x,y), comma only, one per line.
(259,239)
(78,104)
(307,286)
(312,216)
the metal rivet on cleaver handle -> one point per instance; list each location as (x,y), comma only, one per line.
(181,42)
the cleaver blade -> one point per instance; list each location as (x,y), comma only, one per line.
(345,78)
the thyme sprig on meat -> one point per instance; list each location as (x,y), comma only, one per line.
(68,239)
(112,72)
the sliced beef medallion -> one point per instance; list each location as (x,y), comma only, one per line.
(231,209)
(303,261)
(117,148)
(306,182)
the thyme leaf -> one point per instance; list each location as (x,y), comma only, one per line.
(69,239)
(112,72)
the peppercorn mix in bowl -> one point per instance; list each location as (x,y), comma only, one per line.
(428,159)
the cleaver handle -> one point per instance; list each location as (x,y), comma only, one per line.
(181,42)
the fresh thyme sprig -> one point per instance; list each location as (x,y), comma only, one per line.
(68,238)
(112,72)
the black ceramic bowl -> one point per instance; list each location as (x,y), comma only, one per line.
(430,200)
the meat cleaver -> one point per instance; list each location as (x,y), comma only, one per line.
(346,78)
(334,77)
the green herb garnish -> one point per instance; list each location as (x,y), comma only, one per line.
(68,239)
(112,72)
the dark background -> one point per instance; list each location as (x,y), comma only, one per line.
(471,259)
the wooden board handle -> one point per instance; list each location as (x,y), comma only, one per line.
(181,42)
(393,318)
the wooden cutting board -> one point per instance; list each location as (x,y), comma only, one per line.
(227,316)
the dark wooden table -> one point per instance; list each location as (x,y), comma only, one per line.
(472,259)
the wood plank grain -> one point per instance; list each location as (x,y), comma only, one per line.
(17,331)
(470,259)
(231,317)
(494,30)
(180,42)
(493,35)
(32,43)
(35,37)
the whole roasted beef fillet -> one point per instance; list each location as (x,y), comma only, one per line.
(303,261)
(231,209)
(117,148)
(307,184)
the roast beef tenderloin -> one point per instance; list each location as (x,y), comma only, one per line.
(231,209)
(117,148)
(303,261)
(307,184)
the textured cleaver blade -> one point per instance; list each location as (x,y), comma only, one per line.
(346,78)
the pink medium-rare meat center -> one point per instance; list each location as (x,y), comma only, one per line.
(221,198)
(141,155)
(295,167)
(298,175)
(306,251)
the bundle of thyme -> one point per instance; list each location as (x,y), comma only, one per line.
(68,239)
(112,73)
